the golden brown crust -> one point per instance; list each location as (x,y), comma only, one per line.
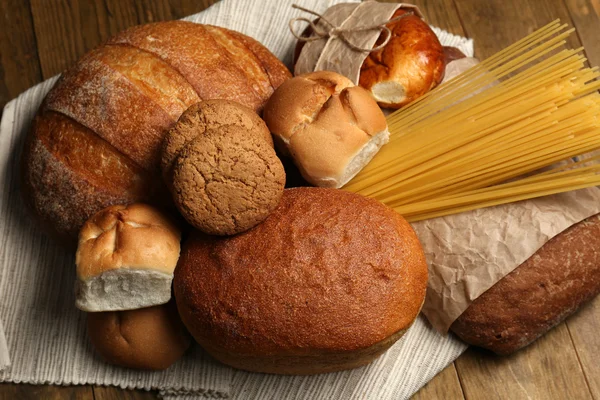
(106,102)
(537,295)
(270,63)
(413,57)
(61,181)
(199,118)
(227,180)
(328,272)
(147,338)
(324,122)
(185,46)
(134,236)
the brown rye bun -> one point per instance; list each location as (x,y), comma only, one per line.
(203,116)
(97,137)
(329,281)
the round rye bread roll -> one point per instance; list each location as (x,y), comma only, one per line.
(227,180)
(327,282)
(203,116)
(97,138)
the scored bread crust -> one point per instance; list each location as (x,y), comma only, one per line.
(129,92)
(125,259)
(330,127)
(320,285)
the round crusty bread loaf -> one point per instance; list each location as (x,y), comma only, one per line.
(147,338)
(96,139)
(330,127)
(125,259)
(328,281)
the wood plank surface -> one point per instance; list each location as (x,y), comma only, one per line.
(19,62)
(548,369)
(585,15)
(584,328)
(12,391)
(445,385)
(40,38)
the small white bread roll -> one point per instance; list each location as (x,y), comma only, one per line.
(329,126)
(125,259)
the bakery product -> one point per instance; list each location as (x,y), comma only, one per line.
(227,180)
(205,115)
(328,281)
(411,64)
(125,259)
(147,338)
(97,137)
(538,294)
(330,127)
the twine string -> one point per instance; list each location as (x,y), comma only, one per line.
(333,31)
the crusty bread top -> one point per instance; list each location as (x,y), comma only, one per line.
(413,59)
(328,270)
(133,236)
(323,121)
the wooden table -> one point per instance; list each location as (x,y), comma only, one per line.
(40,38)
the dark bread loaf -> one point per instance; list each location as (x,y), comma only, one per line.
(329,281)
(537,295)
(97,137)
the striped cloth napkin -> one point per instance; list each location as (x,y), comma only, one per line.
(45,335)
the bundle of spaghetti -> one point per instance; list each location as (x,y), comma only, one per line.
(528,107)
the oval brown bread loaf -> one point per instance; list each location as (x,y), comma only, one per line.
(329,281)
(538,294)
(97,137)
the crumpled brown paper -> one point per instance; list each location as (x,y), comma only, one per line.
(331,53)
(468,253)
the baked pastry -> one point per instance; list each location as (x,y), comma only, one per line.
(227,180)
(147,338)
(205,115)
(330,127)
(96,139)
(328,281)
(410,64)
(536,296)
(125,259)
